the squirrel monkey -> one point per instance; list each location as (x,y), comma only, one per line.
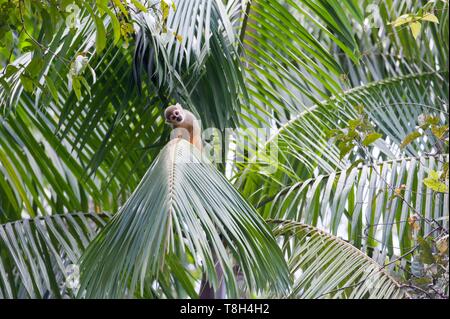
(185,124)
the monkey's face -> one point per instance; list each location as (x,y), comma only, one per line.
(174,114)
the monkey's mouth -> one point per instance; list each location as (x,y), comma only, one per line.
(179,118)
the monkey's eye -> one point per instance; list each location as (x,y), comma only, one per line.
(173,117)
(176,113)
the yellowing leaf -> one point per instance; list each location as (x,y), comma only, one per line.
(430,17)
(433,182)
(165,8)
(122,8)
(415,29)
(439,131)
(409,138)
(435,185)
(444,174)
(432,120)
(413,221)
(372,137)
(178,36)
(139,5)
(433,174)
(406,18)
(442,244)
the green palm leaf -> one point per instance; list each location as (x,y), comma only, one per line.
(369,199)
(304,67)
(312,185)
(393,106)
(195,62)
(38,256)
(183,205)
(288,62)
(59,152)
(325,266)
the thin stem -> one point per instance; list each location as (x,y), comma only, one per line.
(40,45)
(412,250)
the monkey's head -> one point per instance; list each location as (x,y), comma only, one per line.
(174,114)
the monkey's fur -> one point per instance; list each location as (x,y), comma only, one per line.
(185,124)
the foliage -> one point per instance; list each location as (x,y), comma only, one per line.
(332,268)
(415,20)
(39,257)
(164,222)
(429,266)
(358,132)
(355,94)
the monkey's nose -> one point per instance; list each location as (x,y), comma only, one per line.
(179,118)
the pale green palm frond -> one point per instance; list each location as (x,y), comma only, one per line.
(97,146)
(60,152)
(195,62)
(288,64)
(325,266)
(39,257)
(393,107)
(312,185)
(390,51)
(183,206)
(370,204)
(299,54)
